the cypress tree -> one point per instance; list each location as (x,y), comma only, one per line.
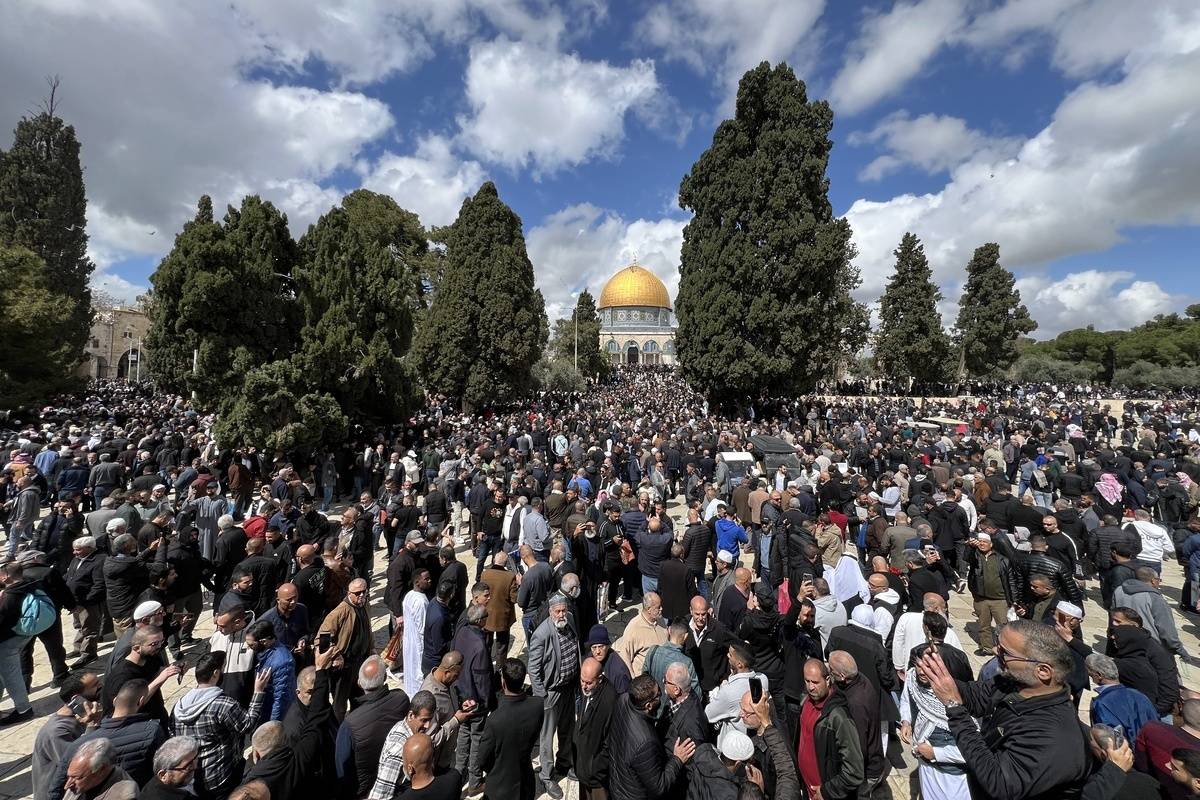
(358,287)
(31,364)
(486,326)
(764,299)
(591,361)
(43,209)
(991,316)
(910,341)
(222,300)
(271,409)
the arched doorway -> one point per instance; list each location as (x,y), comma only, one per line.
(631,352)
(127,366)
(101,367)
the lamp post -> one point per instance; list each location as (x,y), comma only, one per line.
(575,317)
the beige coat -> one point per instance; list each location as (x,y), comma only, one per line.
(640,636)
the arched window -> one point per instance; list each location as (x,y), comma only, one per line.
(669,346)
(650,347)
(613,347)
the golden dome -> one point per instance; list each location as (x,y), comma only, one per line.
(635,286)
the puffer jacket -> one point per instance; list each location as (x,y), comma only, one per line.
(1023,564)
(640,769)
(134,738)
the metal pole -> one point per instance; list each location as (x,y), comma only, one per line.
(576,316)
(139,361)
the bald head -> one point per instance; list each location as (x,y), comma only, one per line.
(452,660)
(698,605)
(877,582)
(842,665)
(742,577)
(255,547)
(287,592)
(306,554)
(932,601)
(418,754)
(590,669)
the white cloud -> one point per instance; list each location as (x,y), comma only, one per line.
(432,182)
(582,246)
(891,50)
(1109,300)
(930,142)
(123,291)
(1115,155)
(533,106)
(724,39)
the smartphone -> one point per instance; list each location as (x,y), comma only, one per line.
(324,641)
(77,705)
(183,665)
(755,689)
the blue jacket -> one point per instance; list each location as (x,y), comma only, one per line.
(1123,708)
(282,690)
(729,535)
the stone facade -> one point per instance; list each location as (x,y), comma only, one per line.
(114,345)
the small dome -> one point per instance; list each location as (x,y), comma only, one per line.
(635,286)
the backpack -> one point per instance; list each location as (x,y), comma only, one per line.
(37,614)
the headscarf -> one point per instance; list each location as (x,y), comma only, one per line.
(848,580)
(1109,487)
(1185,480)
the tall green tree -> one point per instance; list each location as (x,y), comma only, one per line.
(991,316)
(582,328)
(31,364)
(486,326)
(274,408)
(910,341)
(43,209)
(765,273)
(359,288)
(223,299)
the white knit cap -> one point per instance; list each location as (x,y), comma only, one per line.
(1070,609)
(736,746)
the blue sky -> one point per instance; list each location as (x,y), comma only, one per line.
(1063,129)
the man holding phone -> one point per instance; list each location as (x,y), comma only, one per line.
(347,629)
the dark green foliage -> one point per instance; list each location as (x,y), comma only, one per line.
(486,326)
(268,411)
(359,284)
(554,374)
(991,316)
(1162,352)
(592,362)
(224,292)
(42,208)
(32,365)
(911,341)
(764,299)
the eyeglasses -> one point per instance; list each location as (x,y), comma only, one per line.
(1005,656)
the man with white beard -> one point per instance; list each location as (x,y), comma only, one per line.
(553,656)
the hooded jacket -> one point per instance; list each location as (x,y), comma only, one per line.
(1156,617)
(218,723)
(1143,664)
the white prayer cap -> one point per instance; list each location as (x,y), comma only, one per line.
(736,746)
(1070,609)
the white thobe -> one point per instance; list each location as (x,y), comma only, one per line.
(415,604)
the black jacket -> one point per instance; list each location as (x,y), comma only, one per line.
(192,570)
(676,587)
(686,722)
(85,578)
(874,662)
(368,725)
(698,541)
(862,703)
(54,536)
(509,736)
(228,551)
(266,581)
(839,754)
(135,739)
(125,578)
(1023,564)
(711,656)
(1142,664)
(923,581)
(950,525)
(590,741)
(299,764)
(1100,544)
(640,769)
(761,630)
(1025,748)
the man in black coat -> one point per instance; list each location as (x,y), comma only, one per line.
(1142,662)
(707,645)
(873,659)
(510,734)
(593,717)
(363,731)
(641,768)
(266,576)
(676,585)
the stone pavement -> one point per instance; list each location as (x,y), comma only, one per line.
(16,742)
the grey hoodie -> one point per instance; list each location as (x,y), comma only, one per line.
(830,614)
(192,705)
(1156,616)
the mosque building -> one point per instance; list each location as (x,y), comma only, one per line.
(636,323)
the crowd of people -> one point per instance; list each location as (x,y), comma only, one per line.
(697,619)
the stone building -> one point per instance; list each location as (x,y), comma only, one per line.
(636,323)
(114,346)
